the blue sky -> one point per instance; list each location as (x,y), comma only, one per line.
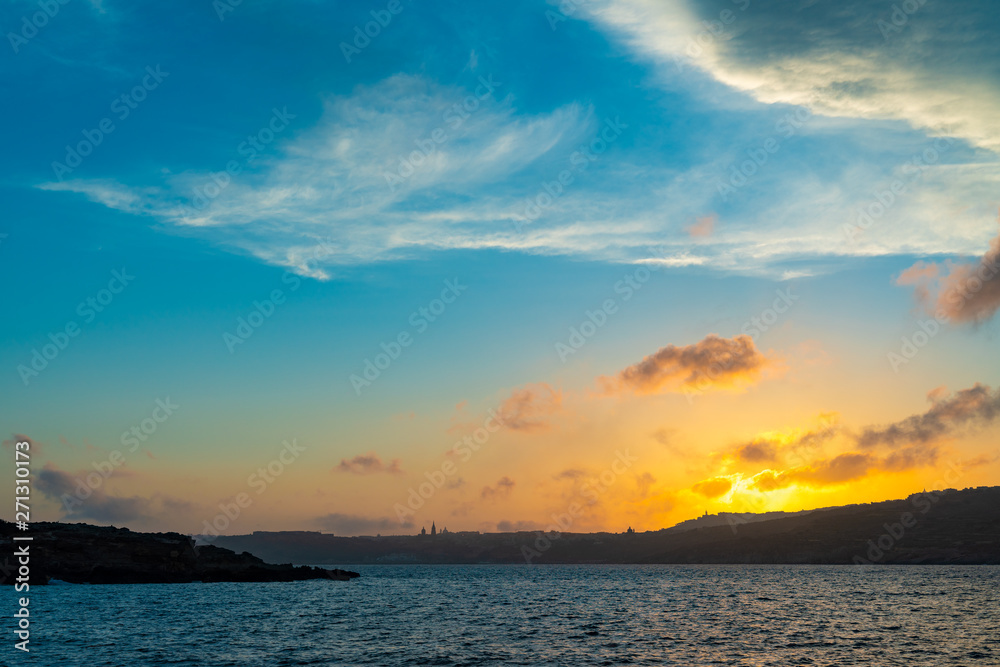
(646,110)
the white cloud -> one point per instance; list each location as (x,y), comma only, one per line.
(344,191)
(938,70)
(341,193)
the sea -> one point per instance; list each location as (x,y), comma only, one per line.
(531,615)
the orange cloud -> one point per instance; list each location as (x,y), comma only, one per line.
(713,362)
(844,468)
(713,488)
(366,464)
(502,489)
(966,293)
(528,408)
(838,470)
(703,227)
(34,446)
(770,447)
(911,441)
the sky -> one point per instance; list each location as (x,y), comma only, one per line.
(598,264)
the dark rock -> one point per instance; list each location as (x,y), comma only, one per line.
(80,553)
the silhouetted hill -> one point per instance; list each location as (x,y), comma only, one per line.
(80,553)
(935,527)
(729,519)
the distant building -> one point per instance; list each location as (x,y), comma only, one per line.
(423,531)
(434,530)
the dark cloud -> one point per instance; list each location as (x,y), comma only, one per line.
(503,489)
(81,502)
(846,468)
(712,362)
(838,470)
(912,442)
(968,408)
(758,451)
(864,58)
(967,293)
(770,449)
(367,464)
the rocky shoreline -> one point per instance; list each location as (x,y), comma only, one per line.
(85,554)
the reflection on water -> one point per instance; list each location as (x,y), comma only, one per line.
(542,615)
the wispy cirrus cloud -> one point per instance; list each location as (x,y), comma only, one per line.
(398,167)
(359,186)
